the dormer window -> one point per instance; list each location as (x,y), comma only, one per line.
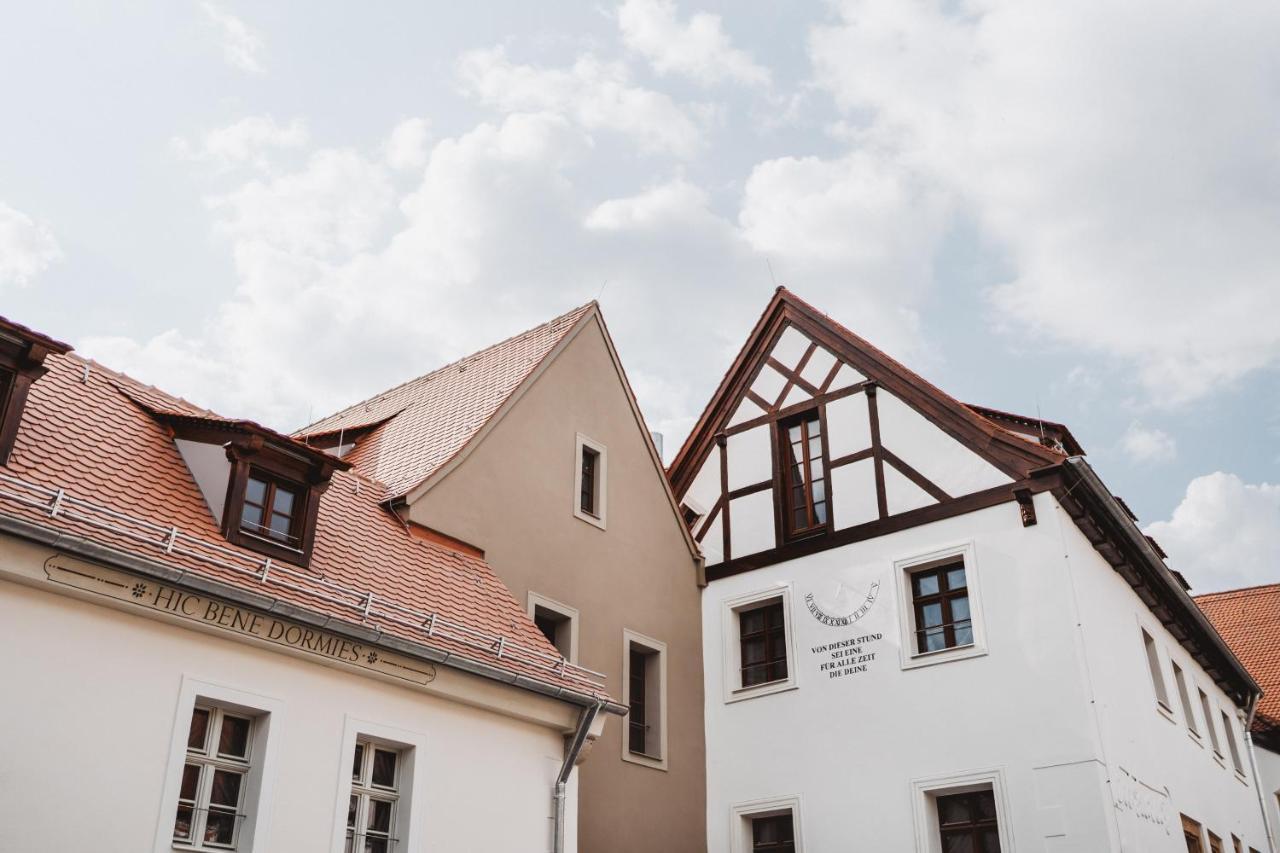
(804,475)
(270,509)
(22,355)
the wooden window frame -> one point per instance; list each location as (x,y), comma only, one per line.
(926,792)
(1215,843)
(774,629)
(22,356)
(783,474)
(731,634)
(787,845)
(598,518)
(974,828)
(364,792)
(654,654)
(254,459)
(742,816)
(1192,831)
(274,484)
(905,570)
(944,598)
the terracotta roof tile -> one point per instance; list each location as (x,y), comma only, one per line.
(425,422)
(1249,620)
(80,433)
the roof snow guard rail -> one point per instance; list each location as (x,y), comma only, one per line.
(370,610)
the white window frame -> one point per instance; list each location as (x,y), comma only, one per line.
(366,792)
(658,649)
(409,817)
(1208,706)
(903,569)
(211,761)
(1184,697)
(570,614)
(1156,671)
(602,481)
(741,815)
(924,807)
(730,642)
(267,714)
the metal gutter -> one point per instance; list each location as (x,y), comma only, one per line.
(572,749)
(96,551)
(1156,570)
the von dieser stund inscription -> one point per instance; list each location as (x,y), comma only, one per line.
(222,615)
(849,656)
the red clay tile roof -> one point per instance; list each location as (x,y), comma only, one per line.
(1249,620)
(80,433)
(427,421)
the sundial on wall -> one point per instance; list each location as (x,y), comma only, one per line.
(839,604)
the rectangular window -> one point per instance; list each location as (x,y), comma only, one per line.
(1208,724)
(645,694)
(1180,679)
(557,622)
(1235,843)
(590,496)
(587,502)
(773,834)
(1153,666)
(211,798)
(1191,834)
(271,509)
(762,639)
(375,794)
(1229,732)
(968,822)
(1215,843)
(804,474)
(940,598)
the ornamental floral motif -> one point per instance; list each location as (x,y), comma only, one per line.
(372,657)
(139,590)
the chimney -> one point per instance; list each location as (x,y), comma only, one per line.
(657,442)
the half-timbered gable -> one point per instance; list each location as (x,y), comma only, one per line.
(815,438)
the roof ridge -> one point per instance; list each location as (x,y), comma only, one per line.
(114,374)
(1240,591)
(424,376)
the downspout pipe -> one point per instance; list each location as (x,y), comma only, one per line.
(1257,777)
(572,749)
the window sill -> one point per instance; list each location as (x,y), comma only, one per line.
(1195,738)
(594,521)
(757,690)
(1166,712)
(1222,761)
(644,760)
(943,656)
(1241,778)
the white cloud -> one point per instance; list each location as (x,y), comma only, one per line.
(1148,444)
(596,95)
(334,205)
(660,206)
(241,46)
(27,247)
(407,145)
(1124,157)
(246,142)
(1224,534)
(699,49)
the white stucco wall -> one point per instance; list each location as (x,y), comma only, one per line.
(91,701)
(854,749)
(1269,773)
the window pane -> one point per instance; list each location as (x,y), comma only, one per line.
(990,841)
(182,826)
(793,434)
(960,608)
(384,768)
(220,827)
(927,584)
(930,615)
(955,578)
(359,759)
(820,513)
(199,729)
(753,652)
(255,491)
(251,517)
(964,633)
(752,621)
(957,843)
(819,491)
(234,739)
(379,816)
(376,845)
(934,640)
(953,810)
(351,811)
(280,525)
(190,782)
(226,788)
(283,502)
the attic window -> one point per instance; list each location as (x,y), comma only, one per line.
(804,475)
(590,498)
(22,355)
(270,508)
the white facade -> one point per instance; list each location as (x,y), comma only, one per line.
(98,703)
(858,750)
(1269,775)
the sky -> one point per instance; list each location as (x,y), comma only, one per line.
(1066,209)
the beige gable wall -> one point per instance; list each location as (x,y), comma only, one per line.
(513,496)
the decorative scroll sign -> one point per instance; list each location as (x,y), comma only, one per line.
(148,594)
